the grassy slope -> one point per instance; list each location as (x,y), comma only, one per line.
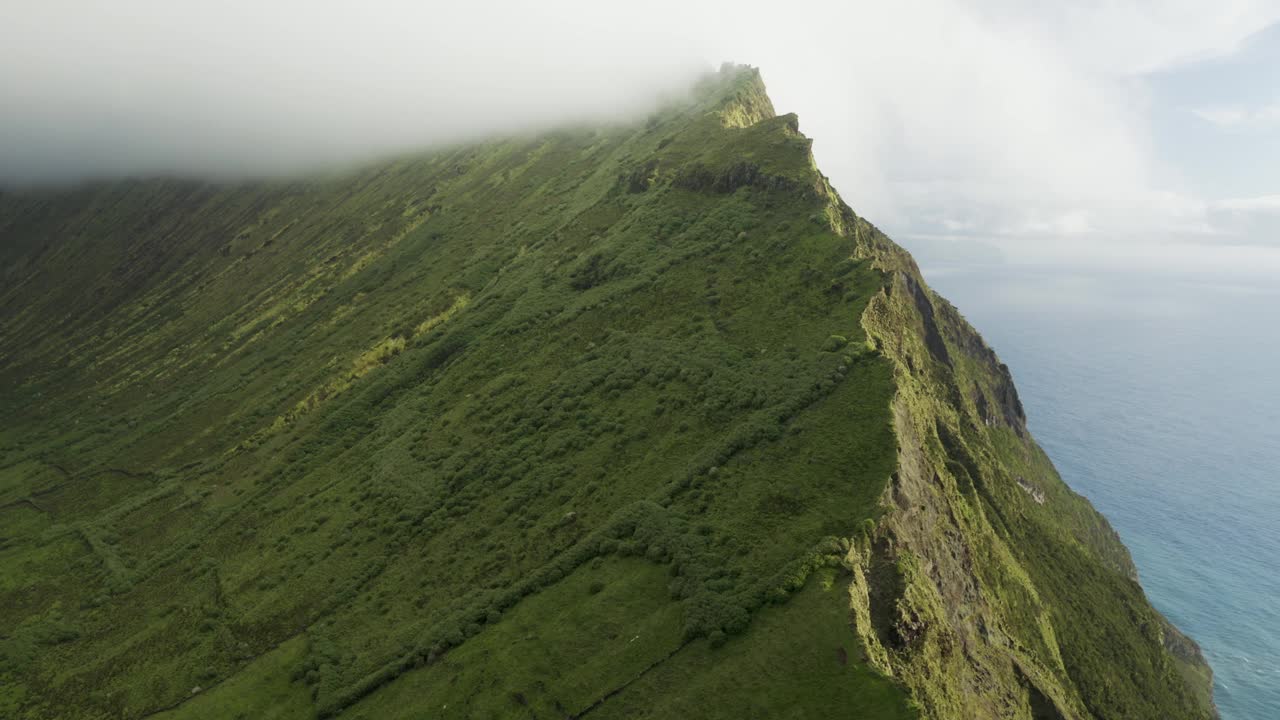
(545,425)
(341,427)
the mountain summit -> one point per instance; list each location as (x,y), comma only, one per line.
(632,421)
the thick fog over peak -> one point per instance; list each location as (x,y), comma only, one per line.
(1126,134)
(240,88)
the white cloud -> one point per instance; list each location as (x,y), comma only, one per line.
(1148,256)
(1241,118)
(139,86)
(1263,203)
(1222,117)
(1248,220)
(1136,36)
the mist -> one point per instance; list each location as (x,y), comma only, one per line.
(1120,134)
(248,89)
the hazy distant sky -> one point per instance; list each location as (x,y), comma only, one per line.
(1128,133)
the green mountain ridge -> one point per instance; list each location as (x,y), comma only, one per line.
(630,421)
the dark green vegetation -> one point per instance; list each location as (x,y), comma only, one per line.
(639,421)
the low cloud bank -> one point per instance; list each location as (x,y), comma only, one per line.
(1116,132)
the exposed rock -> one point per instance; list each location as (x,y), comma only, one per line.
(1036,493)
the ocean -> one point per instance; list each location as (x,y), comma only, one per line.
(1159,400)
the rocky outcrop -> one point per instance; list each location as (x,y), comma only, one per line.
(749,103)
(968,589)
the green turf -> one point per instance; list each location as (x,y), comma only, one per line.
(264,689)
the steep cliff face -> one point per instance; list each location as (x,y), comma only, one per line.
(640,421)
(989,587)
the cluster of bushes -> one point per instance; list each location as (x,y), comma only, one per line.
(522,447)
(717,604)
(741,174)
(639,178)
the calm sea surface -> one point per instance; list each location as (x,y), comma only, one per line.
(1160,401)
